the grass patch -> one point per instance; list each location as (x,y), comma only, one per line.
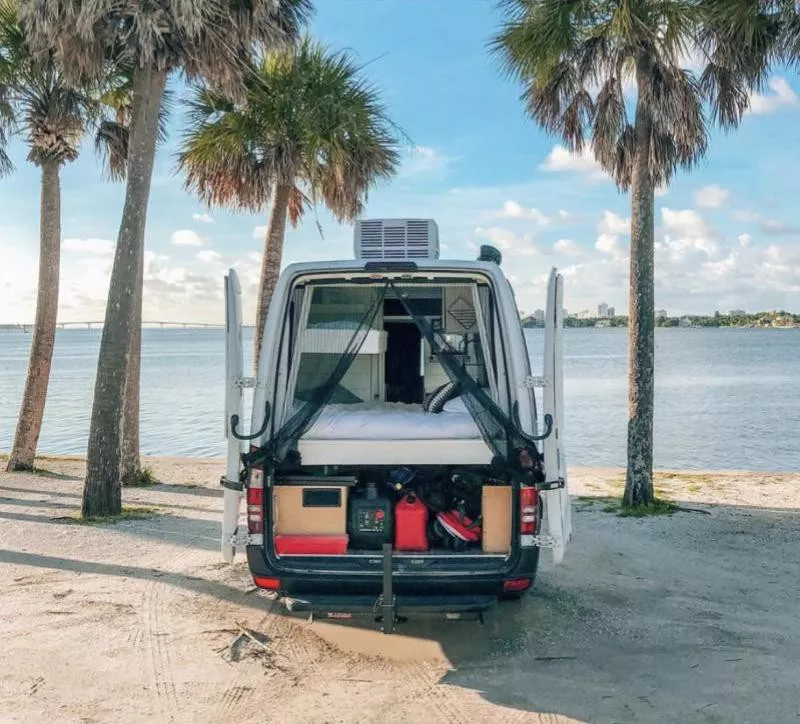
(658,507)
(143,479)
(129,512)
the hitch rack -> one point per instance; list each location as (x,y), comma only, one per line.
(388,609)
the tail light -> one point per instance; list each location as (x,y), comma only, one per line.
(515,585)
(528,511)
(255,502)
(269,584)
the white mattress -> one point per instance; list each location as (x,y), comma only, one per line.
(391,421)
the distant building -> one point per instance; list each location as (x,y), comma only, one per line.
(661,314)
(602,310)
(538,315)
(612,312)
(686,322)
(736,313)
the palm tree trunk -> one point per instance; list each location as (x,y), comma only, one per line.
(102,493)
(271,261)
(641,313)
(130,461)
(44,334)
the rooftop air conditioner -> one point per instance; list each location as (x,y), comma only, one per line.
(396,239)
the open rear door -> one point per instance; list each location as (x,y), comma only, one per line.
(557,505)
(234,373)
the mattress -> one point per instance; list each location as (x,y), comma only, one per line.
(389,421)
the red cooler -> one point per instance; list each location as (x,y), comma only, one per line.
(411,524)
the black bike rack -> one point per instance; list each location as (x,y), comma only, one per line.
(385,606)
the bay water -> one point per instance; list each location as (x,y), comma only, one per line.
(726,399)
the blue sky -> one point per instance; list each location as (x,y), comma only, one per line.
(728,234)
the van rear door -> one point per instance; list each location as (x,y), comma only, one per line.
(234,380)
(556,502)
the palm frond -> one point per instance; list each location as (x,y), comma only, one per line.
(111,145)
(573,58)
(309,120)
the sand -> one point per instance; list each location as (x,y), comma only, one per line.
(684,618)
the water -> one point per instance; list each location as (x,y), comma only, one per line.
(725,399)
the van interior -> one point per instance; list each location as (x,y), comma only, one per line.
(363,364)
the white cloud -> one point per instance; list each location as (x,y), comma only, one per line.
(613,224)
(560,159)
(782,96)
(770,227)
(515,210)
(564,215)
(744,239)
(685,222)
(203,218)
(567,247)
(502,238)
(89,246)
(209,256)
(259,232)
(609,244)
(507,241)
(745,216)
(712,197)
(187,237)
(424,160)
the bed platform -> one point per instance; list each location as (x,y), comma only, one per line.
(385,433)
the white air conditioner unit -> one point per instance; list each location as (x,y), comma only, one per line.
(396,239)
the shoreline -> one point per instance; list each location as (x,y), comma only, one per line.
(572,469)
(766,490)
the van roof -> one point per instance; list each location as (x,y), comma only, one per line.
(435,265)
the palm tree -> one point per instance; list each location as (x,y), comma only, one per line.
(52,116)
(201,38)
(309,129)
(574,58)
(111,143)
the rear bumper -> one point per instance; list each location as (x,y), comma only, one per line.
(412,589)
(369,605)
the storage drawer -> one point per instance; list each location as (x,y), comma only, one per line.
(310,545)
(303,506)
(496,518)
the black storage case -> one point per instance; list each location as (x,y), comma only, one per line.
(370,521)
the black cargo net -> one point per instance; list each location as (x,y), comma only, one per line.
(512,448)
(329,334)
(330,338)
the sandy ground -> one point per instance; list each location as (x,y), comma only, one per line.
(689,618)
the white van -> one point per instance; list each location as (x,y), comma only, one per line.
(395,461)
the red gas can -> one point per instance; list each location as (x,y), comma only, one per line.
(411,524)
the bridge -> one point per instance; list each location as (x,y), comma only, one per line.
(23,327)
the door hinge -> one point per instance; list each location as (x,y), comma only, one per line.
(240,539)
(538,541)
(231,484)
(531,381)
(551,485)
(245,382)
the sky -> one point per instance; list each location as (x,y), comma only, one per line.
(727,234)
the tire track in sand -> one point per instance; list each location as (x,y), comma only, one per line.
(162,689)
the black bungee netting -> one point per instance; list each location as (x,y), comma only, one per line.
(509,444)
(345,327)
